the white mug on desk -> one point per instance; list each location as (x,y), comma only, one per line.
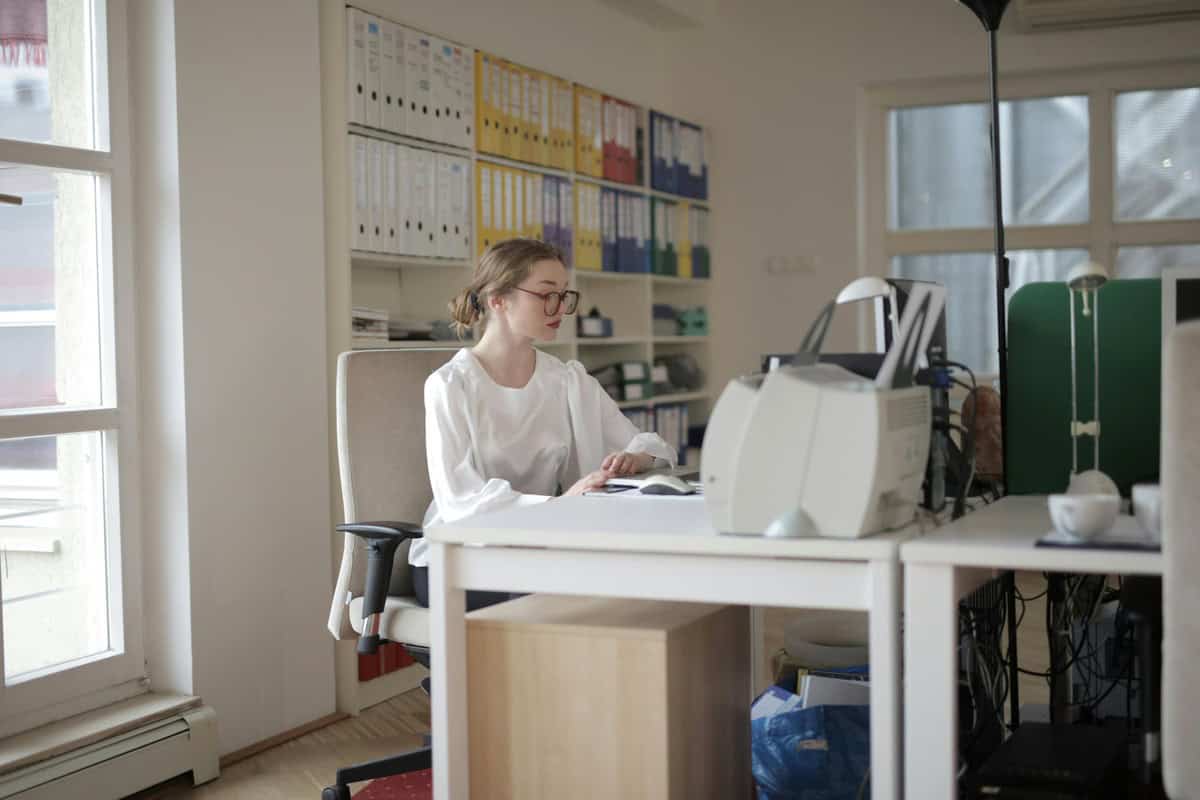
(1147,507)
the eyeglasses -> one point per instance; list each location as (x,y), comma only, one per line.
(553,300)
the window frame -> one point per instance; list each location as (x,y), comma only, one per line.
(1101,235)
(98,680)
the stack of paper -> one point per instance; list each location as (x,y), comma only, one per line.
(369,323)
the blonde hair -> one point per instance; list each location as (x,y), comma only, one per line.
(501,268)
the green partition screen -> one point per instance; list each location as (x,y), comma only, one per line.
(1039,384)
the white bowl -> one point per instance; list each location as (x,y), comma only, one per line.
(1084,516)
(1147,507)
(1092,481)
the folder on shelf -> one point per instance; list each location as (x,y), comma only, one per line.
(526,142)
(620,126)
(589,156)
(587,254)
(356,65)
(375,225)
(405,229)
(545,84)
(518,226)
(662,146)
(550,211)
(483,207)
(610,161)
(691,171)
(701,258)
(444,205)
(563,111)
(387,75)
(371,108)
(360,216)
(460,218)
(425,196)
(464,88)
(608,230)
(663,236)
(487,96)
(533,198)
(441,61)
(418,66)
(388,231)
(566,220)
(516,111)
(683,244)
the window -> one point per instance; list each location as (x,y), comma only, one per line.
(69,558)
(1103,164)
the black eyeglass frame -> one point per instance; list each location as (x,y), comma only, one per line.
(551,301)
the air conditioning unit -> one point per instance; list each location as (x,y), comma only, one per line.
(1038,15)
(124,764)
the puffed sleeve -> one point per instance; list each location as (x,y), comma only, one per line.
(600,428)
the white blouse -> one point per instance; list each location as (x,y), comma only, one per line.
(491,446)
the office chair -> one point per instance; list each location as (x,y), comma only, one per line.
(384,477)
(1180,476)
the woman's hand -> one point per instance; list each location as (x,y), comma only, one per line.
(590,482)
(621,464)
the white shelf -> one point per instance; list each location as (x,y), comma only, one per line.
(680,339)
(593,274)
(636,188)
(678,198)
(664,399)
(411,141)
(440,344)
(674,280)
(488,158)
(611,341)
(394,261)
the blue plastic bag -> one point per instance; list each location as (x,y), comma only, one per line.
(820,753)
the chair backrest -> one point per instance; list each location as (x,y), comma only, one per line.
(381,456)
(1181,561)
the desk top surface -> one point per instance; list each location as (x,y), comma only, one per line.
(1003,535)
(649,524)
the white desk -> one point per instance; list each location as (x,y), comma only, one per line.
(941,568)
(660,548)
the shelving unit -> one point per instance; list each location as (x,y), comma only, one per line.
(419,288)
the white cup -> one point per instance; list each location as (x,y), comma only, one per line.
(1083,516)
(1147,507)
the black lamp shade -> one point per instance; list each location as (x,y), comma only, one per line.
(988,11)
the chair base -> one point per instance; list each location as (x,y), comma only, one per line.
(383,768)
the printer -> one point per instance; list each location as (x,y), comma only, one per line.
(814,441)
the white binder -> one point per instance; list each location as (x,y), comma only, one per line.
(405,226)
(442,91)
(506,232)
(392,77)
(418,118)
(518,226)
(426,196)
(359,191)
(388,219)
(462,209)
(444,205)
(356,64)
(373,116)
(464,59)
(375,195)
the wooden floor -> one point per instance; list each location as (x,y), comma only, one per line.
(304,766)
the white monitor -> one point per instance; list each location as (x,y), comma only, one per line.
(1180,296)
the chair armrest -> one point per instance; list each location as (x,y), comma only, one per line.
(383,530)
(382,540)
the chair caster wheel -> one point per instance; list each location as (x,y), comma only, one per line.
(339,792)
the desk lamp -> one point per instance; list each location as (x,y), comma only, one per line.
(1085,279)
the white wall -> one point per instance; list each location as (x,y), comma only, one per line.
(778,83)
(249,292)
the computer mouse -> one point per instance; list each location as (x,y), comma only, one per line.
(666,484)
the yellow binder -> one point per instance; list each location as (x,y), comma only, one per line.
(683,240)
(589,151)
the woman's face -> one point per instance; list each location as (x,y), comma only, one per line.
(525,312)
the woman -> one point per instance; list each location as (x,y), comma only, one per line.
(507,424)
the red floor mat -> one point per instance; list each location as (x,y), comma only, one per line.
(409,786)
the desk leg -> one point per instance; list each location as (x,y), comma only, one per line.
(884,639)
(448,662)
(931,682)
